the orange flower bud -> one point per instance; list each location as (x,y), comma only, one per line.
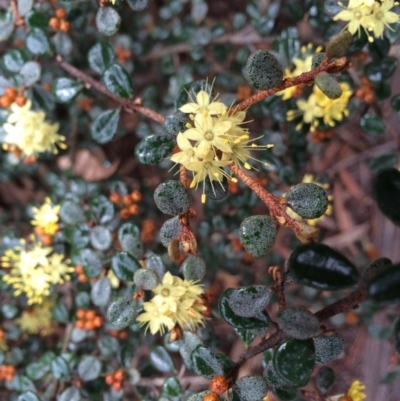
(117,386)
(90,315)
(54,23)
(219,385)
(5,102)
(97,322)
(115,197)
(136,196)
(64,26)
(211,397)
(126,200)
(80,313)
(80,324)
(133,209)
(88,326)
(11,92)
(20,100)
(109,379)
(46,239)
(60,13)
(124,213)
(119,375)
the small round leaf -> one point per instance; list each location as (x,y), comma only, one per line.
(172,197)
(122,312)
(89,368)
(251,388)
(154,149)
(146,279)
(108,21)
(193,268)
(298,322)
(105,126)
(328,348)
(325,379)
(100,238)
(117,81)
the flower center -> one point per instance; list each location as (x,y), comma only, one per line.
(190,153)
(165,292)
(357,15)
(209,136)
(206,165)
(379,15)
(156,313)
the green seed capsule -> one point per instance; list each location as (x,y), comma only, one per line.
(322,267)
(338,44)
(328,84)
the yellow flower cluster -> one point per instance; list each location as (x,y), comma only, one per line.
(309,178)
(45,218)
(302,64)
(318,108)
(37,319)
(369,15)
(213,141)
(30,132)
(176,301)
(354,393)
(34,268)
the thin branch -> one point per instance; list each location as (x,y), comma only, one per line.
(129,105)
(332,67)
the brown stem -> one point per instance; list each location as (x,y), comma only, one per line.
(272,202)
(332,67)
(128,104)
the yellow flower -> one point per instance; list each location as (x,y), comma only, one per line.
(187,154)
(381,16)
(155,316)
(34,269)
(209,134)
(355,392)
(176,301)
(310,109)
(46,217)
(356,17)
(30,132)
(37,319)
(114,280)
(203,105)
(309,178)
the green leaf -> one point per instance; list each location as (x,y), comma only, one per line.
(328,84)
(60,313)
(206,363)
(78,237)
(13,60)
(101,292)
(122,312)
(294,361)
(6,24)
(100,238)
(108,21)
(117,81)
(105,126)
(383,161)
(59,368)
(372,124)
(124,265)
(284,394)
(322,267)
(258,234)
(251,388)
(155,263)
(379,48)
(63,44)
(172,387)
(137,5)
(71,213)
(66,89)
(325,379)
(89,368)
(146,279)
(256,322)
(379,70)
(174,124)
(101,209)
(171,197)
(36,370)
(161,360)
(287,44)
(273,378)
(395,103)
(171,229)
(28,396)
(128,228)
(101,56)
(108,346)
(38,43)
(328,347)
(153,149)
(188,344)
(42,98)
(36,19)
(133,245)
(263,70)
(250,301)
(384,287)
(247,336)
(91,262)
(298,322)
(30,73)
(386,190)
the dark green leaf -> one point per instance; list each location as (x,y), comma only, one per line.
(383,161)
(13,60)
(108,21)
(117,81)
(322,267)
(101,56)
(261,321)
(386,189)
(37,370)
(384,287)
(102,209)
(284,394)
(294,361)
(71,213)
(30,73)
(60,313)
(395,102)
(37,42)
(70,394)
(379,70)
(6,24)
(65,89)
(28,396)
(100,238)
(36,19)
(161,360)
(206,363)
(287,44)
(91,262)
(124,265)
(379,48)
(172,387)
(250,301)
(193,268)
(325,379)
(137,5)
(101,292)
(372,124)
(171,197)
(105,126)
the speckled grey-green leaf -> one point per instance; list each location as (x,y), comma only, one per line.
(308,200)
(250,301)
(172,198)
(251,388)
(174,124)
(170,230)
(328,347)
(325,379)
(298,322)
(146,279)
(273,378)
(328,85)
(258,234)
(123,312)
(193,268)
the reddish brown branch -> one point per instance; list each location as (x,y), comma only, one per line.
(128,104)
(332,67)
